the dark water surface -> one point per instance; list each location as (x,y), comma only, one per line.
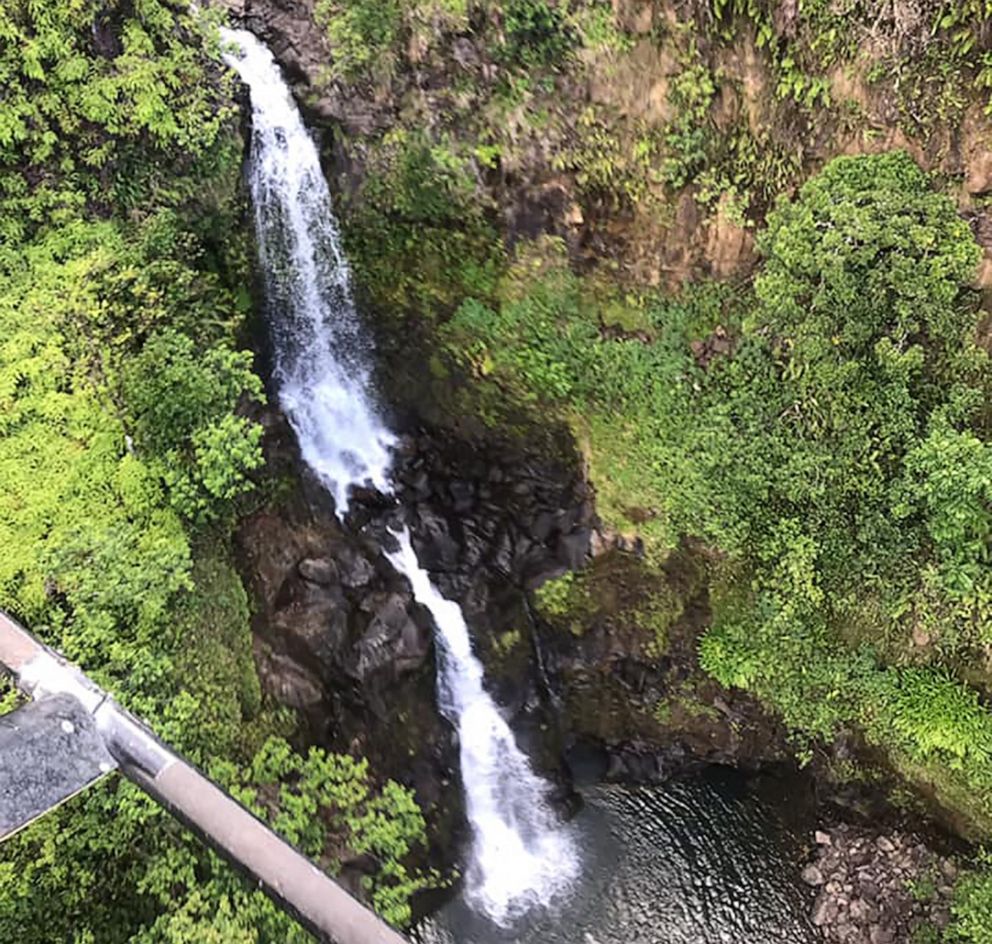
(701,861)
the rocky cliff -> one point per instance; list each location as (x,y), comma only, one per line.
(457,139)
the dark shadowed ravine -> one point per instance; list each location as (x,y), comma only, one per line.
(698,861)
(694,862)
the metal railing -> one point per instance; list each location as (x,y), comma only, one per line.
(98,734)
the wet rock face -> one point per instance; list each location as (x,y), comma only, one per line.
(477,507)
(338,634)
(332,617)
(489,521)
(878,889)
(622,649)
(289,29)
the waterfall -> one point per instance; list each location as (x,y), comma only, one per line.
(320,357)
(520,855)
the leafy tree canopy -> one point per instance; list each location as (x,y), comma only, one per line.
(826,432)
(100,101)
(125,457)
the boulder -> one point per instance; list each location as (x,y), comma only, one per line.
(319,570)
(393,638)
(286,680)
(340,637)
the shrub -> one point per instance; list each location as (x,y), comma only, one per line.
(89,94)
(182,405)
(361,35)
(971,906)
(536,35)
(825,434)
(416,232)
(688,138)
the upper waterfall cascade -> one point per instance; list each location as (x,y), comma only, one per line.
(520,855)
(320,354)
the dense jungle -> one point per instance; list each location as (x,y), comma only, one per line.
(682,312)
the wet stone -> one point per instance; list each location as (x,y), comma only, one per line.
(865,893)
(355,570)
(319,570)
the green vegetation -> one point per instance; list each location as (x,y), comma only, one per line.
(607,170)
(821,429)
(619,593)
(366,38)
(418,236)
(90,95)
(360,35)
(536,35)
(126,455)
(972,905)
(555,597)
(686,136)
(567,602)
(833,447)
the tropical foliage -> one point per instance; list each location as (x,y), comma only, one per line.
(126,454)
(822,426)
(827,433)
(823,429)
(972,904)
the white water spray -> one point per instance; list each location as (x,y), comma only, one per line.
(320,356)
(520,856)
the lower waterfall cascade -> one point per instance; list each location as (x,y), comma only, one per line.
(521,856)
